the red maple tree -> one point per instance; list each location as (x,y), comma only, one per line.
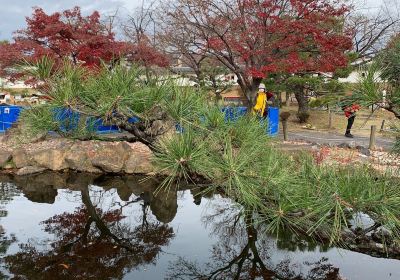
(69,35)
(255,38)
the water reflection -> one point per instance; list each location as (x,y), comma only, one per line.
(121,224)
(7,193)
(91,242)
(243,253)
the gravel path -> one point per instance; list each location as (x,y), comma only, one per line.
(335,139)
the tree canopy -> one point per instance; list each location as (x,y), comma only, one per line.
(86,40)
(256,38)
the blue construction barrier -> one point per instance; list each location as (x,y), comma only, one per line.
(273,121)
(8,115)
(69,120)
(233,113)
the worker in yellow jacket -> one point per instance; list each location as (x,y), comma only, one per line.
(261,102)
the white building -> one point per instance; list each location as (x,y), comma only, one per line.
(4,83)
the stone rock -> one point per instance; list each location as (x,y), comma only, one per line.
(352,144)
(5,156)
(363,150)
(315,148)
(377,246)
(78,157)
(53,159)
(28,170)
(110,157)
(344,146)
(20,158)
(162,129)
(382,234)
(348,235)
(139,160)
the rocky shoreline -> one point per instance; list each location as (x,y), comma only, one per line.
(84,156)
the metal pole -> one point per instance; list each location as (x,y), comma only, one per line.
(372,139)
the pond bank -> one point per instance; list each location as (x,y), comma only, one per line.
(121,157)
(85,156)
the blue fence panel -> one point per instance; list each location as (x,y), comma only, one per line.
(8,116)
(67,119)
(133,120)
(233,113)
(99,126)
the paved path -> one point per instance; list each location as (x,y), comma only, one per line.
(336,139)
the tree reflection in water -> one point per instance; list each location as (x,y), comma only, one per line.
(243,253)
(99,241)
(92,243)
(7,193)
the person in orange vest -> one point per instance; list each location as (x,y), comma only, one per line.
(350,113)
(261,102)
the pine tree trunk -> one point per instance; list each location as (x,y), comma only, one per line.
(251,94)
(303,105)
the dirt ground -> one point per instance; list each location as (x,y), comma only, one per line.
(362,125)
(320,119)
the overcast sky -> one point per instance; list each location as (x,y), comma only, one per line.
(13,12)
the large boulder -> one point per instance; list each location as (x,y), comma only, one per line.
(28,170)
(79,157)
(53,158)
(5,156)
(110,157)
(83,156)
(21,158)
(139,160)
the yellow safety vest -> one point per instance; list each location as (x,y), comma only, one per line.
(261,103)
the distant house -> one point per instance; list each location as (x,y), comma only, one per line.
(6,98)
(357,75)
(4,83)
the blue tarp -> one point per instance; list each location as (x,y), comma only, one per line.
(233,113)
(8,115)
(69,120)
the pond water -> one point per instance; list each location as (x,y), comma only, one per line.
(78,226)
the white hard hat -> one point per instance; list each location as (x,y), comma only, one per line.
(261,86)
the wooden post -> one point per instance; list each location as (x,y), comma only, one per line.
(285,132)
(372,139)
(330,118)
(287,99)
(382,126)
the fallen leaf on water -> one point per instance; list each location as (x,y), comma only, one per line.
(64,265)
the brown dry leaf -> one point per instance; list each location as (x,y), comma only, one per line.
(64,265)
